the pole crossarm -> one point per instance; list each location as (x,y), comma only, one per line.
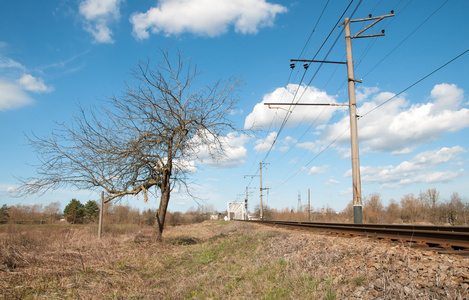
(304,104)
(379,18)
(319,61)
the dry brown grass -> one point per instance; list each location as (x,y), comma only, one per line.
(208,260)
(211,260)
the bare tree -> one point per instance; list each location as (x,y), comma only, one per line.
(146,137)
(373,208)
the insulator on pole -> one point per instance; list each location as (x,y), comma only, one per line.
(306,66)
(292,65)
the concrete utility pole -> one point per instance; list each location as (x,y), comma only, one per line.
(357,198)
(357,190)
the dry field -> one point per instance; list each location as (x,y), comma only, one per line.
(218,260)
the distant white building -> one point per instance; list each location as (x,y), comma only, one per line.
(236,211)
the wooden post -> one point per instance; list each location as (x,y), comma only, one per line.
(100,230)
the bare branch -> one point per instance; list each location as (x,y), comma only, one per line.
(140,139)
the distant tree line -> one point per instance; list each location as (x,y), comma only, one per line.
(426,208)
(78,213)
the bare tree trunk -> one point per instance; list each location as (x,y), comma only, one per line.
(161,213)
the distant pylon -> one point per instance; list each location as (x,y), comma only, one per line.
(299,202)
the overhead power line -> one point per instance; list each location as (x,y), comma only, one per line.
(367,113)
(417,82)
(287,116)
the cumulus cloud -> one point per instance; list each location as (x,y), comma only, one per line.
(286,143)
(205,17)
(417,170)
(33,84)
(331,182)
(98,16)
(447,97)
(12,95)
(235,152)
(263,117)
(399,127)
(13,92)
(264,145)
(318,170)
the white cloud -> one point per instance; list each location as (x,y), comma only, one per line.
(264,145)
(6,62)
(331,182)
(418,169)
(234,155)
(263,117)
(362,92)
(205,17)
(184,166)
(99,14)
(12,96)
(398,127)
(318,170)
(34,84)
(286,143)
(446,97)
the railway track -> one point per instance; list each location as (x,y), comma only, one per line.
(443,239)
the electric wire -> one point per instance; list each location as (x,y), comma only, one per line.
(314,29)
(406,38)
(415,83)
(395,96)
(302,51)
(321,64)
(304,73)
(287,116)
(314,158)
(375,108)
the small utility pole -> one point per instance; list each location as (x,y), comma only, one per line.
(299,202)
(246,204)
(261,189)
(247,188)
(309,206)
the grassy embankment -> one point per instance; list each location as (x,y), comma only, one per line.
(216,259)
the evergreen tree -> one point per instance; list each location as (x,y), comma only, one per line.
(91,210)
(4,214)
(74,212)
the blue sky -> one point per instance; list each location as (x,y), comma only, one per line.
(54,54)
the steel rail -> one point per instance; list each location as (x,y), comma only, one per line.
(445,238)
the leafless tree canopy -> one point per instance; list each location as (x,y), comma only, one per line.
(143,138)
